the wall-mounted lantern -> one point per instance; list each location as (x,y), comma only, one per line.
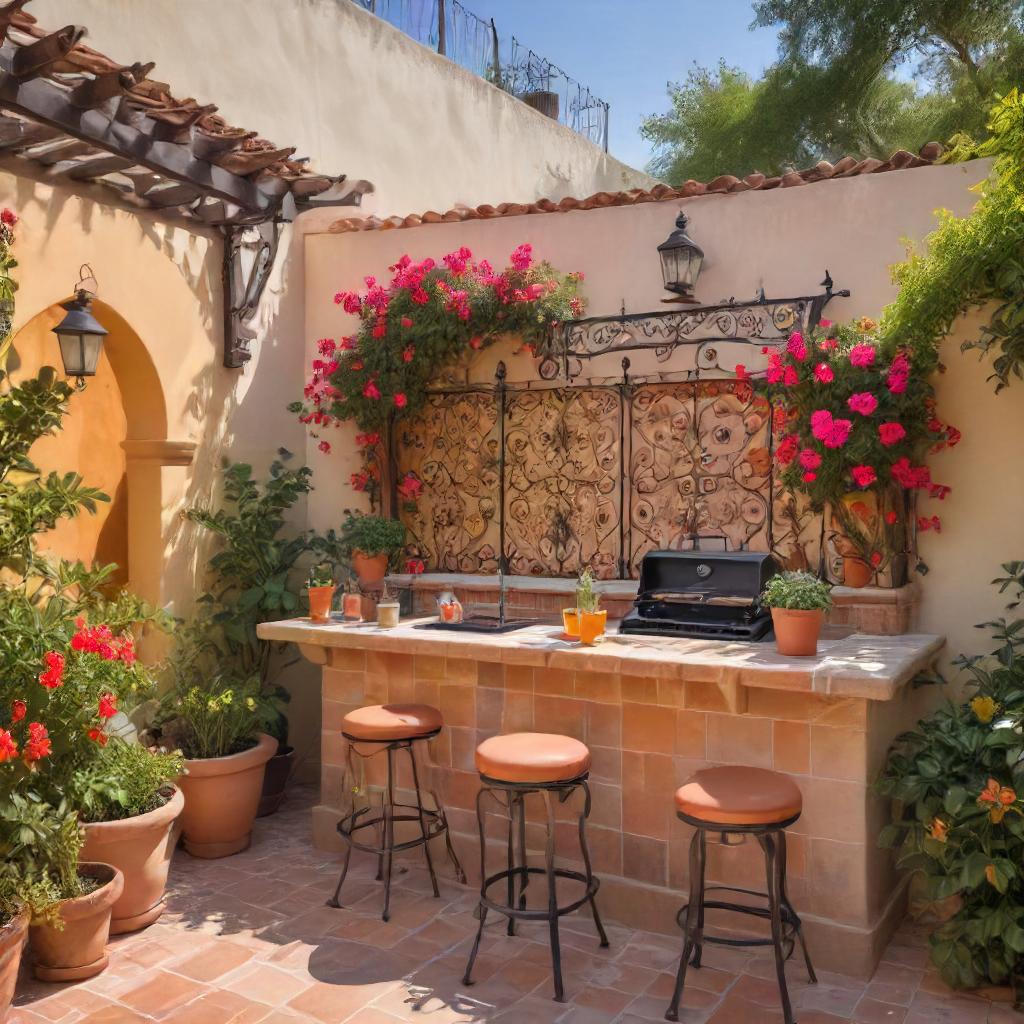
(681,260)
(80,334)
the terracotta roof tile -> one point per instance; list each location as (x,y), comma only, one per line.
(729,184)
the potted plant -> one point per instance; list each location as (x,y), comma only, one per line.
(371,541)
(220,730)
(798,601)
(592,620)
(320,587)
(129,808)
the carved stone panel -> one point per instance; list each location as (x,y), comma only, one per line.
(699,469)
(562,477)
(452,447)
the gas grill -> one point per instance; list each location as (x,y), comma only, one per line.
(702,594)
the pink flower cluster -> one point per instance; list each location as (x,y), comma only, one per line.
(832,433)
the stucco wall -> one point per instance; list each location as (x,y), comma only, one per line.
(352,93)
(782,240)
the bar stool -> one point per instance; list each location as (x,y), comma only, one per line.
(511,768)
(735,800)
(393,727)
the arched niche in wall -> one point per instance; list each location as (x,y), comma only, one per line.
(115,435)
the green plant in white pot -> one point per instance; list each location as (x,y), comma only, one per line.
(799,601)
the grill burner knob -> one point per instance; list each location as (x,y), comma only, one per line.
(704,570)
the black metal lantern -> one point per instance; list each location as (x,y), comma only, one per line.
(681,260)
(80,334)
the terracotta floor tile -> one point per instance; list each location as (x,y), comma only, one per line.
(266,984)
(220,1008)
(333,1003)
(871,1011)
(161,993)
(221,958)
(734,1010)
(115,1015)
(837,1001)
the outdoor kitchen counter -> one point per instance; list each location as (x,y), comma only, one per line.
(653,710)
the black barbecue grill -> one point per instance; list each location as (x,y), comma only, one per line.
(702,594)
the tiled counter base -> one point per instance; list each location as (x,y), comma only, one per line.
(652,713)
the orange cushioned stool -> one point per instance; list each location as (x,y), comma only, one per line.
(735,800)
(390,728)
(511,768)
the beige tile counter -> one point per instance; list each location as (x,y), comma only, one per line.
(653,710)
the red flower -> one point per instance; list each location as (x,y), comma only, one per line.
(796,346)
(891,517)
(347,344)
(359,481)
(371,390)
(862,355)
(370,440)
(934,523)
(9,217)
(876,558)
(824,324)
(476,342)
(38,745)
(126,649)
(415,566)
(891,433)
(18,710)
(400,400)
(863,402)
(787,449)
(53,676)
(809,477)
(863,476)
(98,736)
(940,491)
(810,459)
(910,476)
(326,346)
(407,353)
(406,321)
(380,328)
(411,487)
(349,301)
(522,257)
(325,447)
(8,748)
(108,706)
(899,374)
(823,373)
(741,372)
(789,376)
(420,297)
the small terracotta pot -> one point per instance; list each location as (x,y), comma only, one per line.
(571,621)
(370,569)
(592,625)
(12,941)
(222,795)
(275,779)
(78,950)
(352,607)
(141,849)
(856,572)
(320,599)
(797,631)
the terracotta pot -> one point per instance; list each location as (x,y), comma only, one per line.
(797,631)
(592,625)
(141,849)
(222,795)
(352,607)
(12,941)
(370,569)
(320,599)
(275,779)
(571,621)
(78,950)
(856,572)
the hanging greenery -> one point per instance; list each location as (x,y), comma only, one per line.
(968,261)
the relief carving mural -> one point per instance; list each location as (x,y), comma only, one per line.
(562,477)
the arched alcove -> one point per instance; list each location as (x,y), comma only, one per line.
(115,436)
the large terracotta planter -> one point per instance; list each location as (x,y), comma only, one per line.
(275,779)
(141,848)
(856,572)
(78,950)
(797,631)
(370,569)
(12,941)
(222,795)
(320,599)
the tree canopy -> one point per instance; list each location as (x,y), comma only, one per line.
(864,77)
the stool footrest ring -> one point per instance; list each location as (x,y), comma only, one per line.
(350,824)
(589,889)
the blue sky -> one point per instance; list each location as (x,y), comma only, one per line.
(627,50)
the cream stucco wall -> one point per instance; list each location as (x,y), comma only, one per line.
(353,93)
(782,240)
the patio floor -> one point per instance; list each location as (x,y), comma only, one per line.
(248,940)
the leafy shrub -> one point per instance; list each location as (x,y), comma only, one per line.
(372,535)
(958,819)
(127,780)
(797,590)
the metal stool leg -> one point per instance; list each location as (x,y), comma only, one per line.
(549,866)
(694,911)
(699,937)
(333,901)
(585,850)
(423,820)
(467,978)
(511,880)
(524,877)
(389,834)
(797,923)
(774,874)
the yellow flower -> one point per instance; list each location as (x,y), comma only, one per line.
(227,696)
(866,324)
(939,830)
(212,706)
(250,703)
(984,708)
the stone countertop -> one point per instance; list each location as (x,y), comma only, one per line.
(848,664)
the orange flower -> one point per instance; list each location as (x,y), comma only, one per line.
(990,874)
(939,830)
(1002,799)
